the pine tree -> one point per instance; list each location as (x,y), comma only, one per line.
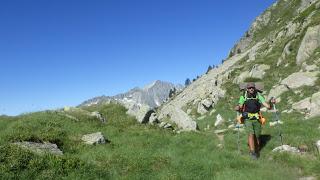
(187,82)
(209,69)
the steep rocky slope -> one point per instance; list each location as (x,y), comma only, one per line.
(281,49)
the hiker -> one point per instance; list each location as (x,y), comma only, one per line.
(249,105)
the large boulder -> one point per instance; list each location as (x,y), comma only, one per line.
(139,111)
(40,148)
(179,117)
(204,106)
(94,138)
(309,44)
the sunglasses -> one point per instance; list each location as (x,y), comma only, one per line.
(250,88)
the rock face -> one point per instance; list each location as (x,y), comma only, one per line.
(310,43)
(93,139)
(40,148)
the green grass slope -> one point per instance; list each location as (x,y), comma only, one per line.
(139,151)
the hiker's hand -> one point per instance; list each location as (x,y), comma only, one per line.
(273,100)
(237,108)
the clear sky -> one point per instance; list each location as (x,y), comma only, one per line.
(56,53)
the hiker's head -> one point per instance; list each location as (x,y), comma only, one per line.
(251,87)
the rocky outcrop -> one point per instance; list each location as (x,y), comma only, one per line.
(304,4)
(294,81)
(208,86)
(204,106)
(94,138)
(309,106)
(257,71)
(303,105)
(40,148)
(300,79)
(309,44)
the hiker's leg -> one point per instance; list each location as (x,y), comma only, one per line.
(251,142)
(257,133)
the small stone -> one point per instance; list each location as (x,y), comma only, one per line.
(286,148)
(220,131)
(275,123)
(219,120)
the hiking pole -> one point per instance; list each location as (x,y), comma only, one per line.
(238,129)
(277,119)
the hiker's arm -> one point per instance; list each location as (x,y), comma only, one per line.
(267,105)
(240,106)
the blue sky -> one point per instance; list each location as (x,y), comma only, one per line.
(56,53)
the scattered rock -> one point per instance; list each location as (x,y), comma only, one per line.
(40,148)
(220,131)
(275,123)
(315,105)
(99,116)
(211,112)
(207,128)
(286,148)
(318,146)
(140,111)
(94,138)
(219,120)
(202,117)
(189,111)
(309,44)
(220,146)
(165,125)
(308,178)
(303,148)
(231,126)
(153,118)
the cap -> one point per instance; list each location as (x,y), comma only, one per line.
(250,85)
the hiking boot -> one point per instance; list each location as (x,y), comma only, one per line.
(253,155)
